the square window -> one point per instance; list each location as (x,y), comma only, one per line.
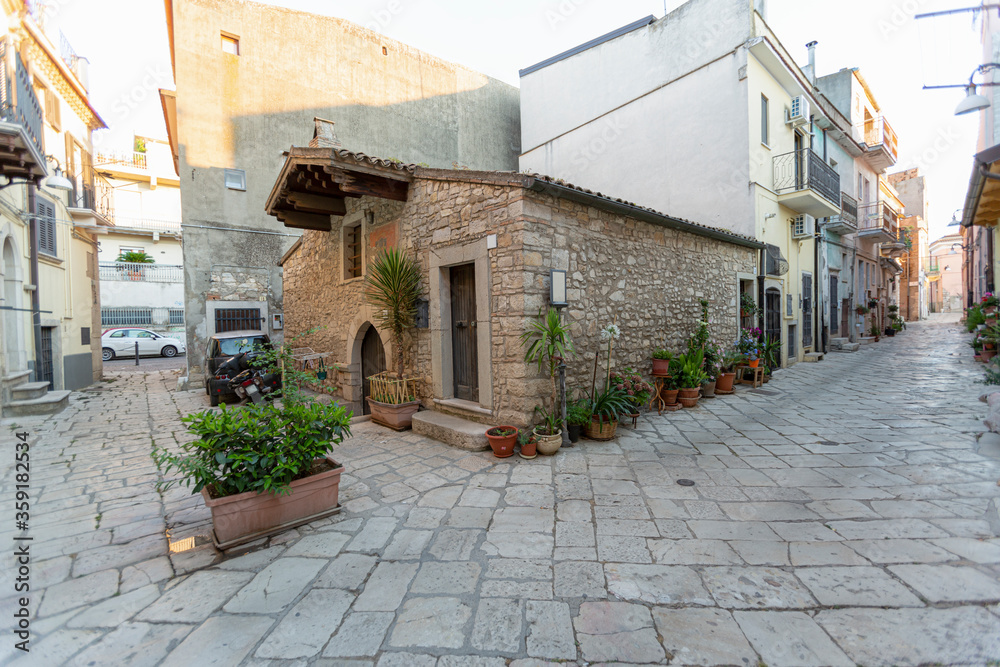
(230,44)
(236,179)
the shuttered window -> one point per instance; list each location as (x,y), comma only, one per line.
(45,220)
(352,251)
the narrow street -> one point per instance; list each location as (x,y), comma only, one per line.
(840,515)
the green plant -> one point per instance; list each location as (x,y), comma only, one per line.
(872,303)
(992,375)
(974,318)
(135,257)
(550,423)
(392,288)
(692,372)
(874,330)
(578,412)
(898,323)
(277,357)
(730,358)
(771,352)
(662,353)
(139,145)
(976,343)
(861,310)
(893,308)
(524,437)
(548,342)
(261,448)
(990,301)
(712,364)
(609,405)
(501,432)
(748,305)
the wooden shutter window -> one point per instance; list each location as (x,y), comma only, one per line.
(352,251)
(45,222)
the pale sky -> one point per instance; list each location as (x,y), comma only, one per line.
(126,44)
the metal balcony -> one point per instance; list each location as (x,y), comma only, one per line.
(805,183)
(22,148)
(133,272)
(881,141)
(845,222)
(878,222)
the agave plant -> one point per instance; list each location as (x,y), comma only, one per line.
(392,287)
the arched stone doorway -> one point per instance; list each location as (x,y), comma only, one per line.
(13,319)
(372,362)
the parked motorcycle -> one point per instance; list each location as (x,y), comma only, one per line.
(248,379)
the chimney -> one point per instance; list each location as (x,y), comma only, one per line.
(323,136)
(811,68)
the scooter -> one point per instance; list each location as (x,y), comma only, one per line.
(247,379)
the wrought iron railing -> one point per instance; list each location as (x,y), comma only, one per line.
(878,132)
(146,224)
(804,169)
(878,215)
(848,208)
(145,273)
(141,316)
(18,102)
(135,159)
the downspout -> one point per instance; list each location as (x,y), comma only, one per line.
(761,272)
(819,314)
(36,307)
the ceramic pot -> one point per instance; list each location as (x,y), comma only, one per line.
(502,445)
(661,366)
(725,382)
(245,517)
(600,430)
(548,444)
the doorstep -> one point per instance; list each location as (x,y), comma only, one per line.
(451,430)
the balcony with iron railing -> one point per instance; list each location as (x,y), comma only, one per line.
(845,222)
(805,183)
(145,273)
(130,223)
(133,160)
(22,155)
(878,222)
(880,139)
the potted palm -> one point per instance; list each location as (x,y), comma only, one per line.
(605,409)
(691,374)
(548,342)
(261,468)
(392,287)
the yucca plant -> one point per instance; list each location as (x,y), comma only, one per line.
(548,341)
(392,287)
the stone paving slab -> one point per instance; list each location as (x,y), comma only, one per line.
(824,528)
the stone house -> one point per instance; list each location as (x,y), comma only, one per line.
(486,242)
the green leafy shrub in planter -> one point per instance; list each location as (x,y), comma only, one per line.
(610,405)
(578,412)
(692,372)
(662,354)
(974,318)
(261,448)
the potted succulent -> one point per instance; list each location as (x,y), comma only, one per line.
(502,440)
(691,374)
(577,417)
(635,388)
(528,445)
(261,468)
(605,409)
(661,361)
(548,342)
(392,287)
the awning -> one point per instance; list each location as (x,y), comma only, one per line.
(982,201)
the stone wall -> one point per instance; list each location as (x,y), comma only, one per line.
(647,278)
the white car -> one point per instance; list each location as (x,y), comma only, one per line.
(121,343)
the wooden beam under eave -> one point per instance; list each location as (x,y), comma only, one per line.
(371,186)
(316,203)
(320,223)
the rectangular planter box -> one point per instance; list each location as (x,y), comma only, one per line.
(248,516)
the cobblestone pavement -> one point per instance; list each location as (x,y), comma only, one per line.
(841,516)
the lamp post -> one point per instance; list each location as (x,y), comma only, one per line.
(557,297)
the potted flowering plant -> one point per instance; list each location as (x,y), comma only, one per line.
(727,373)
(989,302)
(634,387)
(748,306)
(861,309)
(749,345)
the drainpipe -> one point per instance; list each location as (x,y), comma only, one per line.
(761,272)
(820,313)
(36,308)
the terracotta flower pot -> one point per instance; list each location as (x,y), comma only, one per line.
(397,417)
(989,345)
(245,517)
(669,396)
(991,321)
(754,363)
(502,445)
(688,397)
(725,382)
(987,355)
(601,430)
(529,450)
(661,366)
(548,444)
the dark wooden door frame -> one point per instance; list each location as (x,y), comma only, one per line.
(464,332)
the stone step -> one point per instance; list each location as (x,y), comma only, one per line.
(866,340)
(451,430)
(813,356)
(48,404)
(28,390)
(847,347)
(13,379)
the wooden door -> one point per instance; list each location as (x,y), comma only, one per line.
(772,315)
(463,332)
(845,319)
(834,305)
(372,363)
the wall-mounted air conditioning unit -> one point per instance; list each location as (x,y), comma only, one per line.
(803,226)
(799,113)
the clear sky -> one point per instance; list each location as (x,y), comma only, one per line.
(126,44)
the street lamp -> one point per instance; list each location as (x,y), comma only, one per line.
(973,101)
